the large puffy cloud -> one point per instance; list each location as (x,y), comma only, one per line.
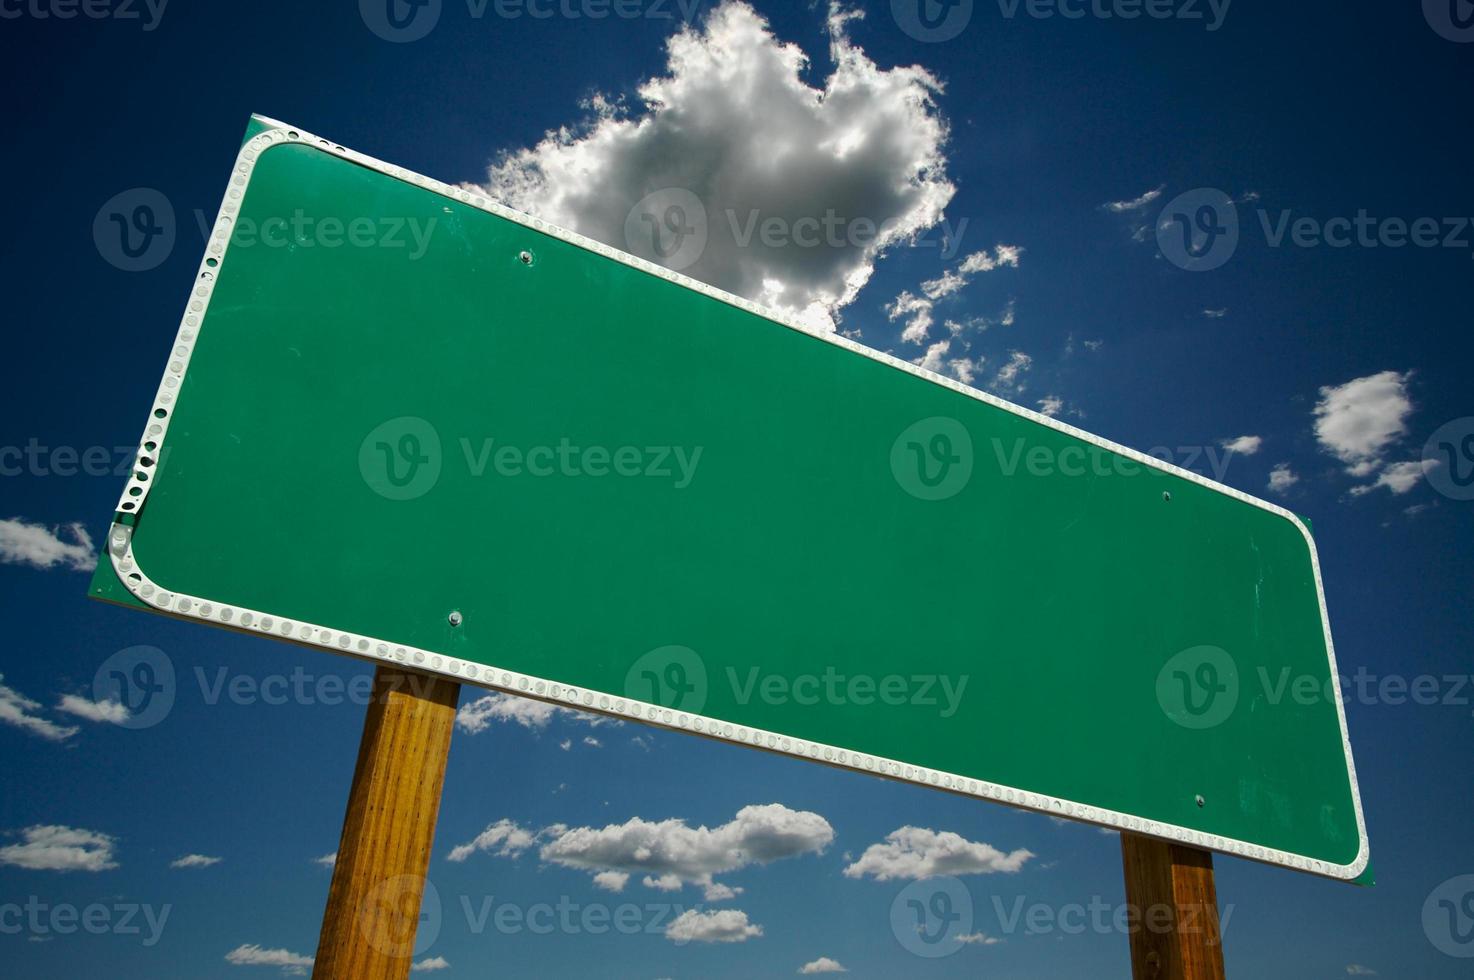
(57,848)
(797,189)
(1357,422)
(918,852)
(667,854)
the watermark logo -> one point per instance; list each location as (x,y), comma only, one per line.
(1448,459)
(1199,687)
(397,920)
(401,459)
(1453,20)
(1198,230)
(135,230)
(931,917)
(141,679)
(932,459)
(671,676)
(400,21)
(932,21)
(1448,917)
(667,226)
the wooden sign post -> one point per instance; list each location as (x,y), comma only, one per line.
(1175,932)
(373,910)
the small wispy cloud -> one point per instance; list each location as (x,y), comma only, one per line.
(194,861)
(477,716)
(1134,203)
(20,711)
(26,543)
(112,712)
(291,964)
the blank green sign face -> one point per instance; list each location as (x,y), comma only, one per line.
(402,423)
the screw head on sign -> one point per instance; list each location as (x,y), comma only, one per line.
(454,617)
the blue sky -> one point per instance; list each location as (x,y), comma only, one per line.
(1035,165)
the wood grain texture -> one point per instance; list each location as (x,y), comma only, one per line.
(373,910)
(1173,909)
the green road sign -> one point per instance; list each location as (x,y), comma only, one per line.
(406,424)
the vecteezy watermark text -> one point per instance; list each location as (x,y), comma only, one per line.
(402,459)
(148,13)
(39,919)
(1200,230)
(136,230)
(402,21)
(37,459)
(836,688)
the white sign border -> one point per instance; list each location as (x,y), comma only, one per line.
(125,564)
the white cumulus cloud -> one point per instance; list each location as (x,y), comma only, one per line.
(724,926)
(1243,445)
(503,838)
(25,543)
(918,852)
(194,861)
(50,847)
(1397,477)
(796,201)
(671,853)
(611,881)
(1282,478)
(822,965)
(430,963)
(1357,422)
